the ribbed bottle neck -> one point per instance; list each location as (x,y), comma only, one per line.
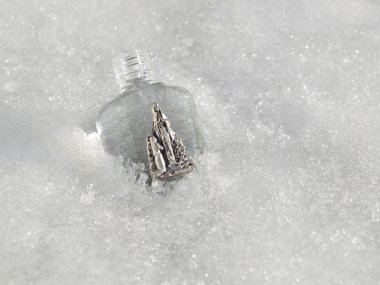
(132,69)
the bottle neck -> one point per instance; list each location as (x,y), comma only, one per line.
(133,69)
(136,84)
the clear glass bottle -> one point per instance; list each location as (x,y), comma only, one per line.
(124,123)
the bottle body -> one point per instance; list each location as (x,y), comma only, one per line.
(124,123)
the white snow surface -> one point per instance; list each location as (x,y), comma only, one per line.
(288,93)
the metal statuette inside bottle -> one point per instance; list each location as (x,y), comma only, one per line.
(166,151)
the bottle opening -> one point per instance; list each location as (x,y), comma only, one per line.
(132,66)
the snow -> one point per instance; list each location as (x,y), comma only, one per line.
(288,190)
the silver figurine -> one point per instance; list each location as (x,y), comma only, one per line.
(166,151)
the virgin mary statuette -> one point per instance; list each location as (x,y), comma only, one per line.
(166,151)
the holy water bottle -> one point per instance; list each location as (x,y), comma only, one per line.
(135,125)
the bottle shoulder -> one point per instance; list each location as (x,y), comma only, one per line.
(148,91)
(155,86)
